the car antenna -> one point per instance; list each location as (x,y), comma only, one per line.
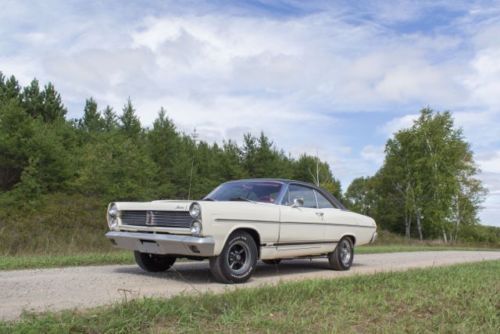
(317,169)
(194,137)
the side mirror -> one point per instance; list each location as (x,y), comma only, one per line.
(297,202)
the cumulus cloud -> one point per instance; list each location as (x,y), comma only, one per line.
(373,153)
(398,123)
(293,70)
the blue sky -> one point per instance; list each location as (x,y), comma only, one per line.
(333,77)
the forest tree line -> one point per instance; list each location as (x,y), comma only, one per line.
(113,156)
(426,188)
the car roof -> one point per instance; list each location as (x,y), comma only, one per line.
(287,181)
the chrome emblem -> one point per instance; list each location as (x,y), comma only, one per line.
(149,218)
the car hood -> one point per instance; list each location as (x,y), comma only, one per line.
(163,205)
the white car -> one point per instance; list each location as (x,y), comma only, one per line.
(238,223)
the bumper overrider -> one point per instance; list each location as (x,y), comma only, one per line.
(163,243)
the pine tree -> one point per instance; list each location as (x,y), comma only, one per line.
(9,89)
(53,108)
(110,119)
(32,99)
(92,120)
(130,123)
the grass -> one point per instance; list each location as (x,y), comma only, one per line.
(60,224)
(458,299)
(52,261)
(375,249)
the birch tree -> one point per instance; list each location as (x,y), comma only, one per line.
(431,167)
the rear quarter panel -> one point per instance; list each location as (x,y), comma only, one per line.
(347,223)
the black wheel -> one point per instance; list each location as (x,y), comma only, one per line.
(237,261)
(343,255)
(154,262)
(273,262)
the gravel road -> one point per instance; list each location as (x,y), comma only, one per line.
(82,287)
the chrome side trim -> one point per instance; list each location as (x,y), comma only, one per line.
(294,223)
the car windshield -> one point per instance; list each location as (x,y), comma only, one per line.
(255,191)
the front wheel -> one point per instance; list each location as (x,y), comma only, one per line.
(237,261)
(341,258)
(154,262)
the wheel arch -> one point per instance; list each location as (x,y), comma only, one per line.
(350,236)
(253,233)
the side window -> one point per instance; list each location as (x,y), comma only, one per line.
(306,194)
(323,203)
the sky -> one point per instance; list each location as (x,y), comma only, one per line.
(334,78)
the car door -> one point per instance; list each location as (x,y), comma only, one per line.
(300,225)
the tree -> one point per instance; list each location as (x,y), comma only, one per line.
(431,169)
(261,159)
(130,124)
(310,169)
(32,150)
(361,196)
(32,99)
(16,129)
(110,119)
(46,104)
(53,108)
(117,168)
(9,89)
(92,120)
(164,146)
(230,162)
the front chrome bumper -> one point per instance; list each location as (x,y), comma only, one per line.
(163,243)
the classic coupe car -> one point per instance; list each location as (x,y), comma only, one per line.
(238,223)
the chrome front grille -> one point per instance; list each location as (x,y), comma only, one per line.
(133,217)
(179,219)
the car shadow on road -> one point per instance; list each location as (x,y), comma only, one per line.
(199,272)
(293,267)
(192,272)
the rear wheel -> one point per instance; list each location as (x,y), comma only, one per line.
(341,258)
(273,262)
(154,262)
(237,261)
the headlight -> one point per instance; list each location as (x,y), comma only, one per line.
(195,210)
(196,228)
(113,215)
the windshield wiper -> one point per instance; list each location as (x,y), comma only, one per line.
(239,198)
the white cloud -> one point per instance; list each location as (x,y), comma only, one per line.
(484,82)
(373,153)
(226,71)
(398,123)
(490,162)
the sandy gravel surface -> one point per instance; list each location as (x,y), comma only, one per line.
(83,287)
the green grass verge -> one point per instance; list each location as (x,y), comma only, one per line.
(457,299)
(126,257)
(51,261)
(375,249)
